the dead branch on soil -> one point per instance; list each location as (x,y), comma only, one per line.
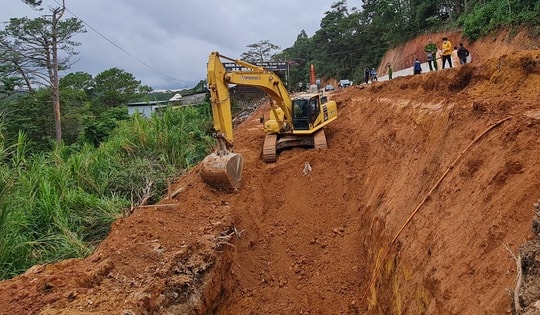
(238,233)
(146,195)
(226,237)
(165,205)
(519,279)
(176,192)
(219,241)
(452,165)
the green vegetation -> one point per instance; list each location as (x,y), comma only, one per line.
(58,199)
(481,19)
(60,204)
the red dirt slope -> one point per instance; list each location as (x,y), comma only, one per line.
(456,152)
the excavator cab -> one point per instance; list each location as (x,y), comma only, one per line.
(300,114)
(305,112)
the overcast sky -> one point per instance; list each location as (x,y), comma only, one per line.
(168,41)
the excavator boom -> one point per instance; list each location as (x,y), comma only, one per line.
(221,169)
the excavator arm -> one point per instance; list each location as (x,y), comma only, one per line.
(221,169)
(219,79)
(220,102)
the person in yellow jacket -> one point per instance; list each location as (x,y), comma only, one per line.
(446,52)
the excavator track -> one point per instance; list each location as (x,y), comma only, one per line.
(269,148)
(319,140)
(272,144)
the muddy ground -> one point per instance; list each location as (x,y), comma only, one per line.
(419,205)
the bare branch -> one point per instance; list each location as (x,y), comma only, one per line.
(519,276)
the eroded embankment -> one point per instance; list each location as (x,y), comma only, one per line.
(338,238)
(427,181)
(450,150)
(455,245)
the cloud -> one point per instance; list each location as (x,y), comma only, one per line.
(165,44)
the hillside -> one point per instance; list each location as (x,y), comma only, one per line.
(493,46)
(425,191)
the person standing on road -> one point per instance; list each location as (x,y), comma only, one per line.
(366,75)
(455,58)
(446,52)
(462,53)
(417,67)
(373,74)
(431,54)
(390,72)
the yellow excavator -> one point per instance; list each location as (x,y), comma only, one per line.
(292,122)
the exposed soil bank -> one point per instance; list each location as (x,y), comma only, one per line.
(427,183)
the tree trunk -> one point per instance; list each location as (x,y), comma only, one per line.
(57,115)
(55,86)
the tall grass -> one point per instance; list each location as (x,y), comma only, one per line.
(482,17)
(61,204)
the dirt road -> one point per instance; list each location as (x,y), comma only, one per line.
(427,183)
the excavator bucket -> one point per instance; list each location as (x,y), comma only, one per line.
(222,171)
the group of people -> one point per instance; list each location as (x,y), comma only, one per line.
(370,75)
(446,50)
(432,53)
